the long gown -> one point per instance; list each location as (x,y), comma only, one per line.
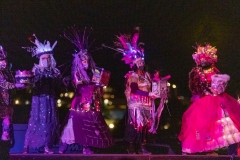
(43,123)
(86,125)
(210,122)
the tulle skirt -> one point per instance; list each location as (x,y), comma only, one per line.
(68,134)
(210,122)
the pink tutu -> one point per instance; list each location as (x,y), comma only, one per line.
(210,122)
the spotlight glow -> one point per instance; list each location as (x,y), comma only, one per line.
(111,126)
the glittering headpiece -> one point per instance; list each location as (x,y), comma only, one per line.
(206,53)
(130,48)
(40,48)
(2,53)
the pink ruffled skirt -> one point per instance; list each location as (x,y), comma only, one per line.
(210,122)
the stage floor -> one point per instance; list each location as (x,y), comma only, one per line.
(117,157)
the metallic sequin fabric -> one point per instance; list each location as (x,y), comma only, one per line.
(43,123)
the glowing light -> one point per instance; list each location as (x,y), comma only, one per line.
(59,101)
(166,126)
(26,102)
(122,106)
(106,96)
(61,95)
(106,101)
(105,88)
(112,96)
(174,86)
(71,94)
(110,102)
(17,101)
(59,105)
(168,84)
(66,94)
(111,126)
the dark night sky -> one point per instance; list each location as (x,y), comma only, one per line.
(169,29)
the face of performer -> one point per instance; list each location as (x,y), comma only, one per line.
(85,63)
(140,64)
(204,62)
(154,86)
(3,64)
(45,60)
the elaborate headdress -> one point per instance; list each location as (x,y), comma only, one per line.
(205,53)
(81,42)
(2,53)
(130,48)
(40,48)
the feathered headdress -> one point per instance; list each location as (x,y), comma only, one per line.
(206,53)
(2,53)
(130,48)
(40,48)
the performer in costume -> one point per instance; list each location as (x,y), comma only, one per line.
(138,94)
(43,123)
(86,125)
(7,83)
(212,121)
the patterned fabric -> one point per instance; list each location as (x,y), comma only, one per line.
(144,84)
(43,122)
(90,129)
(6,110)
(6,83)
(139,104)
(86,124)
(199,82)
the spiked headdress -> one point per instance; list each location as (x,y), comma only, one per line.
(40,48)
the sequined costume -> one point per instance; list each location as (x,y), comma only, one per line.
(86,125)
(7,83)
(212,121)
(137,91)
(6,110)
(43,122)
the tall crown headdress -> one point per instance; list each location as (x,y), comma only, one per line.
(207,53)
(40,48)
(130,48)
